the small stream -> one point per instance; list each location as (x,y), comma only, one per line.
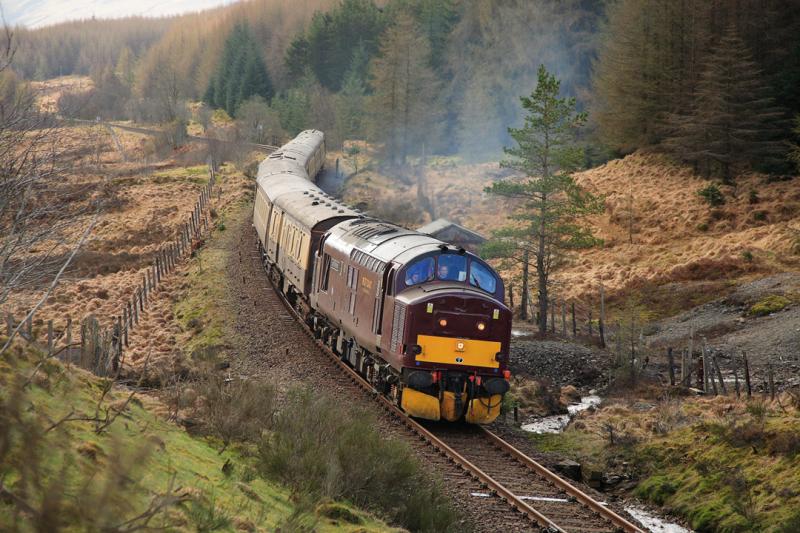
(558,423)
(653,523)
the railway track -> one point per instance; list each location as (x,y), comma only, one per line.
(522,495)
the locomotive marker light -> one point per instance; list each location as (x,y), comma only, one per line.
(460,346)
(443,323)
(481,326)
(496,314)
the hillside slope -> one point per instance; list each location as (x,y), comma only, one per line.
(678,240)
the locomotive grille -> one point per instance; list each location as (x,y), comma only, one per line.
(398,325)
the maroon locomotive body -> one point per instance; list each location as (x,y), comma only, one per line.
(423,321)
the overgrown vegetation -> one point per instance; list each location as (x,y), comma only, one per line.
(57,472)
(724,464)
(318,450)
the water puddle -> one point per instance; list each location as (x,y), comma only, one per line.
(653,523)
(557,423)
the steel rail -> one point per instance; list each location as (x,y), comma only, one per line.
(567,487)
(497,488)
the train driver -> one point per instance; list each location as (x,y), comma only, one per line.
(452,268)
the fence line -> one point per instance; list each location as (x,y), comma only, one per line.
(100,349)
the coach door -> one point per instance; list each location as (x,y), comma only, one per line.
(352,286)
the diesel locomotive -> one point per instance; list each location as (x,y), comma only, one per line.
(421,320)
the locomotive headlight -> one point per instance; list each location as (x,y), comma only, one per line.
(481,326)
(443,322)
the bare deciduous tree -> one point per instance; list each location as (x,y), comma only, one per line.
(37,225)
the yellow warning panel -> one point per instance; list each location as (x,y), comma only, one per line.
(454,351)
(484,410)
(420,405)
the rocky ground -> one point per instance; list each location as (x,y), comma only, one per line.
(733,325)
(560,361)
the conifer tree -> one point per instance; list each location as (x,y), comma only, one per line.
(732,122)
(240,74)
(351,99)
(548,219)
(403,105)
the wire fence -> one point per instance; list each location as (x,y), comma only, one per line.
(100,349)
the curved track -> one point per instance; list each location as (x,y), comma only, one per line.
(517,493)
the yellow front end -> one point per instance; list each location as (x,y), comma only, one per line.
(453,351)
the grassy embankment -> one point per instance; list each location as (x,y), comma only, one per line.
(725,465)
(77,474)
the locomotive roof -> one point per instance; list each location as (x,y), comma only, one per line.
(384,241)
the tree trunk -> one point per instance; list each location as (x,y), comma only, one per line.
(542,291)
(523,314)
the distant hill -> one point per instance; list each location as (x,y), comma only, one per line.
(38,13)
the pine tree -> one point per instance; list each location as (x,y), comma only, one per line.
(327,48)
(240,74)
(548,220)
(733,122)
(403,105)
(125,66)
(351,99)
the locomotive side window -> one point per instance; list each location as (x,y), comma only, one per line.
(420,271)
(452,268)
(483,278)
(326,272)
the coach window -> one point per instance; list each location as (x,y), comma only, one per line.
(482,277)
(452,268)
(420,271)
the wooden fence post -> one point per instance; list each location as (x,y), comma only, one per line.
(563,318)
(29,326)
(771,378)
(49,337)
(9,323)
(552,316)
(601,324)
(125,325)
(736,375)
(719,375)
(747,375)
(671,366)
(574,323)
(590,322)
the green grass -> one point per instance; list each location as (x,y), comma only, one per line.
(201,308)
(736,471)
(221,491)
(196,174)
(769,304)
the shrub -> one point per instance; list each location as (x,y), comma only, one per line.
(703,226)
(769,304)
(747,255)
(760,216)
(317,449)
(712,195)
(753,197)
(235,410)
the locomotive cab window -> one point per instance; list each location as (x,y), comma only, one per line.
(482,277)
(420,271)
(451,268)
